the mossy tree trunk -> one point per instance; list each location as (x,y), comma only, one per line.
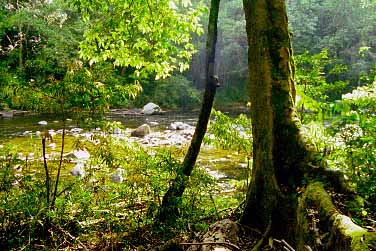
(171,200)
(278,148)
(281,158)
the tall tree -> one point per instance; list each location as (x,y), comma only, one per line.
(281,159)
(173,195)
(277,147)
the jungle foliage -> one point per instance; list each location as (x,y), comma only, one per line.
(45,43)
(78,56)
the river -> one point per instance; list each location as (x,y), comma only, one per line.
(16,126)
(223,165)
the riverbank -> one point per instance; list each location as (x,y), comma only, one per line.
(14,113)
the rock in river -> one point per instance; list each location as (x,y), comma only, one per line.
(141,131)
(179,126)
(151,108)
(78,170)
(43,122)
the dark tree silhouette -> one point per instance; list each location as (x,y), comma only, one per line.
(171,200)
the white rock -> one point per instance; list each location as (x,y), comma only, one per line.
(17,168)
(43,122)
(117,130)
(52,133)
(151,108)
(76,130)
(179,126)
(78,170)
(153,123)
(81,154)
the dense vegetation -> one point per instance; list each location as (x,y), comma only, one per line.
(41,42)
(71,57)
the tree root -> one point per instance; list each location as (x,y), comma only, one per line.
(286,246)
(263,238)
(338,232)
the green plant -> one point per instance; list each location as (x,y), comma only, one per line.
(94,211)
(314,92)
(348,143)
(230,133)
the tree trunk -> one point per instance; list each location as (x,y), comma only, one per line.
(171,200)
(276,139)
(281,158)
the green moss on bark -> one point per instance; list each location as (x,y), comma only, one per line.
(339,231)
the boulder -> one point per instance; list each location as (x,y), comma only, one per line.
(151,109)
(141,131)
(5,114)
(179,126)
(78,170)
(117,176)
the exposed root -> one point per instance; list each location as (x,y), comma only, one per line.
(263,238)
(340,232)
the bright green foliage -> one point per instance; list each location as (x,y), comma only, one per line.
(230,133)
(349,144)
(146,37)
(40,67)
(358,134)
(314,91)
(363,98)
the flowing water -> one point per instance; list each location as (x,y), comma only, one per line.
(226,166)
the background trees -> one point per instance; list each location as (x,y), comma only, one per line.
(39,45)
(344,27)
(40,40)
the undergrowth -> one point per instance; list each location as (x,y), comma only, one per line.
(92,211)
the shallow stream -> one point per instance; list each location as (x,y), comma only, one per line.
(226,166)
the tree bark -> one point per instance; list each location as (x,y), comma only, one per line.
(281,157)
(277,145)
(282,160)
(171,200)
